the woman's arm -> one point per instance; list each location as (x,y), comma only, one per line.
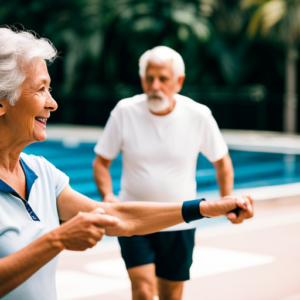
(81,232)
(138,218)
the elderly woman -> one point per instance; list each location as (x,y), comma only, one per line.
(35,196)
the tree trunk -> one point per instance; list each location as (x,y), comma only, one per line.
(290,97)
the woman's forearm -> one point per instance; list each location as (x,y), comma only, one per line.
(138,218)
(19,266)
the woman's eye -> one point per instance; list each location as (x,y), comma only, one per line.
(43,90)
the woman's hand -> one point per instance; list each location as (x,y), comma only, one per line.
(79,233)
(83,231)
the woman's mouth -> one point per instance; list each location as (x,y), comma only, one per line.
(41,120)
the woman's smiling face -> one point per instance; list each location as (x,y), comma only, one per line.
(28,118)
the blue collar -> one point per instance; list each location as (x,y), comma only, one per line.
(30,179)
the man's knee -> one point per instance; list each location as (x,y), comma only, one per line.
(170,290)
(142,291)
(142,282)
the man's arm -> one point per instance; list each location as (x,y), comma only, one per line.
(139,218)
(103,179)
(225,175)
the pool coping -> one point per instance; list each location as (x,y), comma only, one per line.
(246,140)
(263,193)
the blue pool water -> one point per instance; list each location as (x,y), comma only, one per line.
(252,169)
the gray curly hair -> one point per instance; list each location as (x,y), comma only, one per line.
(17,49)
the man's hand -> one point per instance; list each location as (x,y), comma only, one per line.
(245,202)
(83,231)
(111,198)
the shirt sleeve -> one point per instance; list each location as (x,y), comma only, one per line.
(213,146)
(110,142)
(60,179)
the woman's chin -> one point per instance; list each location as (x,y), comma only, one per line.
(40,137)
(39,132)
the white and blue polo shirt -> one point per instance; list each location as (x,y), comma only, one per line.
(23,221)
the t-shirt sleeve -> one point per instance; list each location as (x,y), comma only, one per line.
(60,179)
(110,141)
(213,146)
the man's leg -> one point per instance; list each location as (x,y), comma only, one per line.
(174,257)
(143,282)
(169,290)
(139,257)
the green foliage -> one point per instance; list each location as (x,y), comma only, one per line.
(100,41)
(96,32)
(277,20)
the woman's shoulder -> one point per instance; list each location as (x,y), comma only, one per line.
(38,164)
(33,160)
(45,171)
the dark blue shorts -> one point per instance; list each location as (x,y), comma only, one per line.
(170,251)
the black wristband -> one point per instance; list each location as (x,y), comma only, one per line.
(191,210)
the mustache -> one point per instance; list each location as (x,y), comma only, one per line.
(154,95)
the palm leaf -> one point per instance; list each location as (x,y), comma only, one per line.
(272,12)
(246,4)
(255,22)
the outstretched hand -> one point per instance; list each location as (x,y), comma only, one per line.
(245,203)
(225,206)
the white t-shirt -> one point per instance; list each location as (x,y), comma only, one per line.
(160,152)
(21,223)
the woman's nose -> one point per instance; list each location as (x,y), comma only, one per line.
(51,104)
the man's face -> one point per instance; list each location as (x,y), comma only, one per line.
(160,85)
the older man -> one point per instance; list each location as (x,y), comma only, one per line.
(160,134)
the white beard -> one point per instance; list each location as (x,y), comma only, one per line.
(157,102)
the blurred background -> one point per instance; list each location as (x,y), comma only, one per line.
(241,56)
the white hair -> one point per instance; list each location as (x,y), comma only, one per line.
(17,49)
(160,55)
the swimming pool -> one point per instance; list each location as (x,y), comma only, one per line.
(252,169)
